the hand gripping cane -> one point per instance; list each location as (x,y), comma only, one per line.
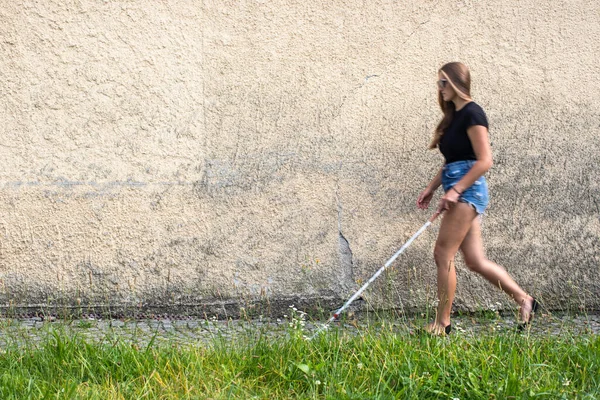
(387,264)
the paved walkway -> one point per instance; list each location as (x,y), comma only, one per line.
(32,331)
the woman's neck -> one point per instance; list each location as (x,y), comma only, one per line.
(459,103)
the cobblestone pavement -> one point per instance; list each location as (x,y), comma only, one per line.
(32,331)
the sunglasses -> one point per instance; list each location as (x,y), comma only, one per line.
(442,83)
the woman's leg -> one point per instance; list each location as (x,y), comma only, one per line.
(454,227)
(472,249)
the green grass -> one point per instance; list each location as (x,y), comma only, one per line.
(371,362)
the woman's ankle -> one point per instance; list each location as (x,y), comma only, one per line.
(443,324)
(525,301)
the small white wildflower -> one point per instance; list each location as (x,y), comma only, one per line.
(317,382)
(566,382)
(359,365)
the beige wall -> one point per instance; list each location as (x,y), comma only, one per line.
(178,153)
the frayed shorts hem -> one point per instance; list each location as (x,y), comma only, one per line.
(476,195)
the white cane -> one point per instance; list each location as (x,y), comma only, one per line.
(387,264)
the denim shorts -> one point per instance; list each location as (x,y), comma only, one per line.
(476,195)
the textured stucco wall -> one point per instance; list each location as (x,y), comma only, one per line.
(176,154)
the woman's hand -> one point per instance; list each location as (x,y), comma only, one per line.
(424,199)
(448,200)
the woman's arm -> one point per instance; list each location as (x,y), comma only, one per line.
(478,135)
(426,195)
(436,181)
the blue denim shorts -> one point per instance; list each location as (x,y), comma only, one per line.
(476,195)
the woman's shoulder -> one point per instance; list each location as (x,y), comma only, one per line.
(475,115)
(474,107)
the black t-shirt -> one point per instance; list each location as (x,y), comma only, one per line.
(455,144)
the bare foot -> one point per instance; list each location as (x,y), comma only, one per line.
(525,311)
(437,329)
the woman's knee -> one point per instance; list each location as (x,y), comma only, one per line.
(443,254)
(475,264)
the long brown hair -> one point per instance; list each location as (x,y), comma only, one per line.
(458,76)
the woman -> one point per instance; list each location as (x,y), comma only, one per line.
(462,137)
